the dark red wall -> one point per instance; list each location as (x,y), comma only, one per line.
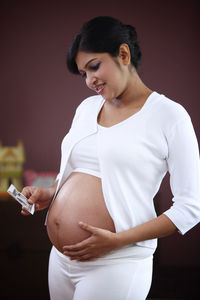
(38,95)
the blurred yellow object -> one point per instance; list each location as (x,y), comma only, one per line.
(11,166)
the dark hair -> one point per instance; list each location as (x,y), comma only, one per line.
(104,35)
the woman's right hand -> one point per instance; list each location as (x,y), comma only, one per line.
(41,197)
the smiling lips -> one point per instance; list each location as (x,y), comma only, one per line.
(99,89)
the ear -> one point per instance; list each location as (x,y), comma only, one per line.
(124,54)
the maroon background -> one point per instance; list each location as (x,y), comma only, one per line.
(39,96)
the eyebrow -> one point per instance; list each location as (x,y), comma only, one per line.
(88,63)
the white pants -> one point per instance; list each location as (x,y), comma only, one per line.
(116,276)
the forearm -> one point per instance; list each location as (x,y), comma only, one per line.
(156,228)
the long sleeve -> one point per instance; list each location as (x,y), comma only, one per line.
(184,168)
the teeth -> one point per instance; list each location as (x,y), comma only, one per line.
(99,88)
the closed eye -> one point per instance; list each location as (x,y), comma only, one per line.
(92,67)
(95,66)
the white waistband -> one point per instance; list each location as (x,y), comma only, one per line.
(130,253)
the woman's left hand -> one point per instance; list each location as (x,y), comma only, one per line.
(98,244)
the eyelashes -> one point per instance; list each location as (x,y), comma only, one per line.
(93,67)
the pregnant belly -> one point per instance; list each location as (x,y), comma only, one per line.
(79,199)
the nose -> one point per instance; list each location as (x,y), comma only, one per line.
(91,81)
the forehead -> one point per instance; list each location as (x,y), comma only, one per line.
(83,58)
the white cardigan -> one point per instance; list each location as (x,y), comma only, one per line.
(134,156)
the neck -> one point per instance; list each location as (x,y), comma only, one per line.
(135,94)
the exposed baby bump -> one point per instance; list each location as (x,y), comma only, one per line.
(80,199)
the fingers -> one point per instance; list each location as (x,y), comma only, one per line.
(82,255)
(34,197)
(81,251)
(95,246)
(86,257)
(85,243)
(75,254)
(88,227)
(83,258)
(78,246)
(27,191)
(31,193)
(24,212)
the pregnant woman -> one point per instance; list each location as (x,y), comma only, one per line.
(101,220)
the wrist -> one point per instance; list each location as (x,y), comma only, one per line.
(125,238)
(119,241)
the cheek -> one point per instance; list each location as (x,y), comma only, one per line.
(107,72)
(117,80)
(113,77)
(87,82)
